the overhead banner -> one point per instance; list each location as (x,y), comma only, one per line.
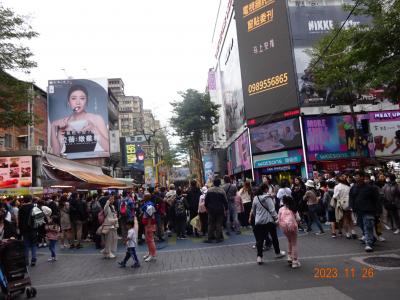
(208,164)
(266,58)
(276,136)
(78,118)
(385,129)
(15,172)
(149,178)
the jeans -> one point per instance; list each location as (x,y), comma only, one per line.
(368,224)
(313,217)
(130,252)
(215,222)
(52,247)
(260,233)
(232,217)
(30,244)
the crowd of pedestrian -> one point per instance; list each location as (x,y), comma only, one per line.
(341,201)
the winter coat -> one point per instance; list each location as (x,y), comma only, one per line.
(216,201)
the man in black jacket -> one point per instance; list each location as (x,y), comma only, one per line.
(29,234)
(217,205)
(79,215)
(364,200)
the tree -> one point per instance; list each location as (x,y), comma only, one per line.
(14,94)
(194,117)
(349,62)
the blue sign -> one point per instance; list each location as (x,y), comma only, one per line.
(208,164)
(340,155)
(278,158)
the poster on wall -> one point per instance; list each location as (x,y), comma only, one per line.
(149,179)
(276,136)
(332,137)
(266,60)
(208,164)
(15,172)
(385,130)
(78,118)
(239,155)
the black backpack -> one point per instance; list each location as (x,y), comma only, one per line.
(180,209)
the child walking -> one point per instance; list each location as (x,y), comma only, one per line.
(52,232)
(131,242)
(288,220)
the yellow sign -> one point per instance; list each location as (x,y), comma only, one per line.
(130,154)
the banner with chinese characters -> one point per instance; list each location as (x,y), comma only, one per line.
(78,118)
(266,60)
(385,129)
(15,172)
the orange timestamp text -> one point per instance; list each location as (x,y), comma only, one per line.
(347,273)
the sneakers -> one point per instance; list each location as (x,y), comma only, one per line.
(111,256)
(368,249)
(33,263)
(381,238)
(121,264)
(289,260)
(320,233)
(146,256)
(397,231)
(296,264)
(280,255)
(387,227)
(259,260)
(52,259)
(150,258)
(348,236)
(362,238)
(333,235)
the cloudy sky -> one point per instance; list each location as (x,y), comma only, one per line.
(157,47)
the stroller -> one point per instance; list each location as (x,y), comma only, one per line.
(14,275)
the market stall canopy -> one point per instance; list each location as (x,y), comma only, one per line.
(60,170)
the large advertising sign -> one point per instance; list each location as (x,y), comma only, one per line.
(266,58)
(385,129)
(276,136)
(78,118)
(308,25)
(208,164)
(229,84)
(332,137)
(149,178)
(239,154)
(15,172)
(134,155)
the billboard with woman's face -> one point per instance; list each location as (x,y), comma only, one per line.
(78,118)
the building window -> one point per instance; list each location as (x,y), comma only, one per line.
(8,140)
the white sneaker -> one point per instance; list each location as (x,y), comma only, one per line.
(111,255)
(387,227)
(363,238)
(368,249)
(289,260)
(146,256)
(296,264)
(327,223)
(259,260)
(397,231)
(150,258)
(280,255)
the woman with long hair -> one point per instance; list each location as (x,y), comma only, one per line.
(246,194)
(109,229)
(65,222)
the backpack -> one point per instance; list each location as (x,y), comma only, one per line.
(287,220)
(180,209)
(37,217)
(123,208)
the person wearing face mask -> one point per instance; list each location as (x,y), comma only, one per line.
(79,121)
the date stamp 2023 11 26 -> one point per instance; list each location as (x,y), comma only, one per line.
(347,273)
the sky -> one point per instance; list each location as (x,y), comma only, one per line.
(157,47)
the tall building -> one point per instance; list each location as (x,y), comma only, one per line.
(131,116)
(117,86)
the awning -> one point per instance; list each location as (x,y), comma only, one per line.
(92,175)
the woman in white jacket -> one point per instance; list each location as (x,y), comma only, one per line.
(109,229)
(343,211)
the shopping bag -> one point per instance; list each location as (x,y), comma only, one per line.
(195,222)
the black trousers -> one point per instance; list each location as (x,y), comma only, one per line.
(215,222)
(260,233)
(180,225)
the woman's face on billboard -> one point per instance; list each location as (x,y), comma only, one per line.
(77,100)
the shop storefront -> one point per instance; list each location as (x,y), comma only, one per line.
(279,165)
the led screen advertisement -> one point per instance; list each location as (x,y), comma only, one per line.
(385,129)
(239,155)
(266,60)
(276,136)
(78,118)
(15,172)
(308,25)
(332,137)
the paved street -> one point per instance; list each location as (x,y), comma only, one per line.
(220,272)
